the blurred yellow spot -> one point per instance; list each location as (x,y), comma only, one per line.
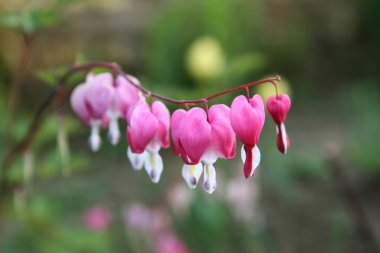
(205,58)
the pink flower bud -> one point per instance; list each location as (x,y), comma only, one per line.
(278,108)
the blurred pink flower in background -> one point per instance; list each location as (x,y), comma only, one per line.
(179,198)
(161,222)
(97,218)
(243,198)
(170,243)
(137,217)
(154,226)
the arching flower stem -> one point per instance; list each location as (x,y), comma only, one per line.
(116,70)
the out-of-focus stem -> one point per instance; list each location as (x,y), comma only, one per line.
(17,78)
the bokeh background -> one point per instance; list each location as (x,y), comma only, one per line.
(323,196)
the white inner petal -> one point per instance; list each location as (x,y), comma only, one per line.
(209,176)
(191,174)
(94,140)
(242,154)
(210,156)
(284,137)
(256,157)
(137,160)
(114,131)
(153,166)
(154,146)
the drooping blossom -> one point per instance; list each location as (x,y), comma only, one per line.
(278,108)
(98,218)
(100,101)
(126,96)
(247,120)
(201,137)
(90,101)
(147,132)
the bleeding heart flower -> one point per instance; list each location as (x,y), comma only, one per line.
(147,132)
(278,108)
(126,96)
(90,102)
(203,137)
(247,120)
(101,101)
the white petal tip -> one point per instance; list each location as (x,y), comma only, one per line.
(208,188)
(153,166)
(114,140)
(94,143)
(191,174)
(136,160)
(256,157)
(114,132)
(209,184)
(154,177)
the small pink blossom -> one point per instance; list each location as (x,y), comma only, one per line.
(100,101)
(97,218)
(147,133)
(126,96)
(247,120)
(203,137)
(278,108)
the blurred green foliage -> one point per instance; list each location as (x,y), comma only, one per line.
(30,20)
(331,70)
(35,16)
(362,110)
(224,21)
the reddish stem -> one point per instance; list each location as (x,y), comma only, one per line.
(118,71)
(17,78)
(247,91)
